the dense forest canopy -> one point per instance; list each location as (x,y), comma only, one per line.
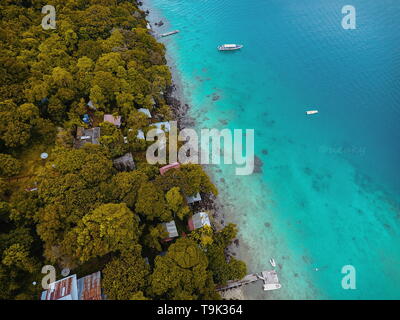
(75,209)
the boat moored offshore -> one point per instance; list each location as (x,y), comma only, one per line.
(169,33)
(230,47)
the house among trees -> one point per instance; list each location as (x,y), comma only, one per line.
(71,288)
(162,126)
(145,111)
(153,102)
(84,136)
(198,220)
(114,120)
(140,135)
(193,199)
(124,163)
(91,105)
(168,167)
(170,227)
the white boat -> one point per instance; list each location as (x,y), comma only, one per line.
(271,286)
(169,33)
(312,111)
(230,47)
(272,262)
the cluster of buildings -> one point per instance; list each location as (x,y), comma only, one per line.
(198,220)
(89,287)
(71,288)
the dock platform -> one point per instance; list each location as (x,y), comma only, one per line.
(168,33)
(270,279)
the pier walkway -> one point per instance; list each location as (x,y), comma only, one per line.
(270,279)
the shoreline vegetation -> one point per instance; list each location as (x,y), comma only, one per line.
(78,94)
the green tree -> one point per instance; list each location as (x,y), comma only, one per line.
(18,256)
(176,203)
(181,273)
(17,123)
(154,236)
(24,206)
(151,203)
(9,165)
(221,268)
(3,187)
(124,187)
(126,275)
(203,235)
(190,178)
(138,296)
(110,227)
(112,139)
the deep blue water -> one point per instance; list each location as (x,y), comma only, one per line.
(329,191)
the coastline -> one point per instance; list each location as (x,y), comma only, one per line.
(175,97)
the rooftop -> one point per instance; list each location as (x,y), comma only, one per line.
(91,105)
(64,289)
(114,120)
(71,288)
(125,163)
(170,227)
(89,287)
(193,199)
(84,136)
(162,126)
(140,135)
(145,111)
(199,220)
(168,167)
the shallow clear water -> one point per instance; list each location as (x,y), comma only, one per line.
(329,191)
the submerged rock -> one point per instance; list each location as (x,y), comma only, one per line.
(258,165)
(215,97)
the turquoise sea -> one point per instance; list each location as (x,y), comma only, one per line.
(329,191)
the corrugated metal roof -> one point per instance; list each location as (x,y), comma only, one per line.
(87,136)
(114,120)
(193,199)
(145,111)
(200,219)
(125,163)
(140,135)
(64,289)
(162,126)
(89,287)
(171,229)
(164,169)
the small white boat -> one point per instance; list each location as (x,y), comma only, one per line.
(272,262)
(169,33)
(230,47)
(271,286)
(312,111)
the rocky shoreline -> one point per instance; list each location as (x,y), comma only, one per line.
(209,202)
(174,98)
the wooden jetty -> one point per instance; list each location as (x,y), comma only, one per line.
(270,279)
(169,33)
